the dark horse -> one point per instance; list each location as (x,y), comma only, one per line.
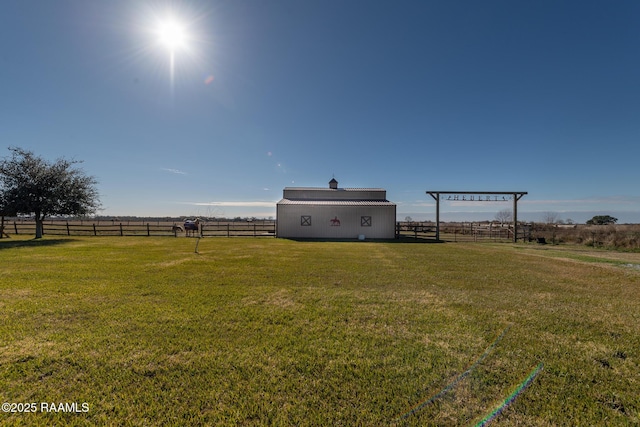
(192,227)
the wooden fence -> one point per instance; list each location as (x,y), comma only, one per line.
(453,232)
(142,228)
(461,231)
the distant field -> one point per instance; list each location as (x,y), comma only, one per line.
(276,332)
(619,236)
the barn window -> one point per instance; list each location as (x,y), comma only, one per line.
(365,221)
(305,220)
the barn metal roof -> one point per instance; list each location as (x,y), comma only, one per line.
(333,189)
(308,202)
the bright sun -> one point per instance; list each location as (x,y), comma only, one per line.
(172,34)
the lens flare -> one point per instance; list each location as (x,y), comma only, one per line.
(509,400)
(453,383)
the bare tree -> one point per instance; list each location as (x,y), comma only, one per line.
(505,215)
(550,217)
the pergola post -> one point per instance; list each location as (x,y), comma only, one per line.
(436,197)
(516,197)
(515,218)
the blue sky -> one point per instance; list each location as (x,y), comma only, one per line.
(409,96)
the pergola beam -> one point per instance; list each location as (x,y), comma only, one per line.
(517,195)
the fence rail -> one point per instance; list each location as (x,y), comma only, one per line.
(618,236)
(130,228)
(460,232)
(264,228)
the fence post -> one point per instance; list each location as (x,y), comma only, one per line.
(95,232)
(68,232)
(15,227)
(121,234)
(254,229)
(228,230)
(148,232)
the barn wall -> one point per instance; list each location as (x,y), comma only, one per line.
(383,220)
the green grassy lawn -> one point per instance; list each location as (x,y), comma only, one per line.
(278,332)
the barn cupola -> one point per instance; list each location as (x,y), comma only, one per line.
(333,184)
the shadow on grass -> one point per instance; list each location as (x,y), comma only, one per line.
(408,239)
(11,244)
(402,239)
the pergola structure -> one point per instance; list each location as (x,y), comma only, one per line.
(479,196)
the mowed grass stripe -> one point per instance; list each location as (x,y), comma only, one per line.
(279,332)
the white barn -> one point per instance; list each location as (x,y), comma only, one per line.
(335,213)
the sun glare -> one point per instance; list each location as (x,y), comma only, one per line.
(172,34)
(173,38)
